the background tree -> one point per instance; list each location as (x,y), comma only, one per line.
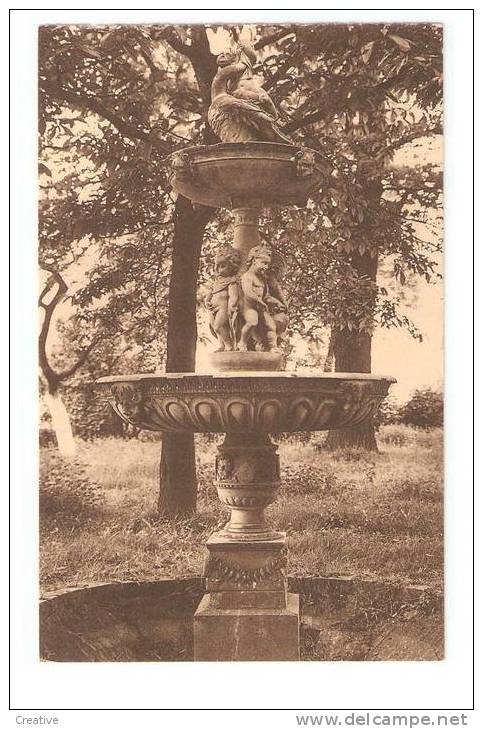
(52,294)
(368,90)
(123,124)
(424,409)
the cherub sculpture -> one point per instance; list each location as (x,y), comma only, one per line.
(260,303)
(241,111)
(277,304)
(222,299)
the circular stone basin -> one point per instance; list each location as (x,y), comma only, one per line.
(252,174)
(265,402)
(153,621)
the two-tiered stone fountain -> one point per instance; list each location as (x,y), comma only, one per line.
(247,612)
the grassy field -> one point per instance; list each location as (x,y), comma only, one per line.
(371,515)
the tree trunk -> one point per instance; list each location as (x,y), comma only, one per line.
(178,485)
(61,423)
(352,353)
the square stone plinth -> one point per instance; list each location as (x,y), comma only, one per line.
(247,634)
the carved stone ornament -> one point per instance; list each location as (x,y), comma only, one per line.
(249,175)
(304,162)
(271,403)
(223,297)
(255,167)
(127,401)
(222,571)
(180,163)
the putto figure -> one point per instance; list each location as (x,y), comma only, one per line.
(277,303)
(241,111)
(222,299)
(259,304)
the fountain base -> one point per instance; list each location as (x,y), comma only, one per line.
(246,361)
(247,634)
(247,613)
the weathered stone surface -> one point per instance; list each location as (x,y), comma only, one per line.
(247,634)
(148,621)
(233,600)
(250,175)
(247,613)
(247,480)
(153,621)
(236,361)
(265,402)
(419,639)
(252,565)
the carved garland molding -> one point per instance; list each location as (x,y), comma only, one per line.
(219,570)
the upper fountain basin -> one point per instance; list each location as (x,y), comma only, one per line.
(250,174)
(266,402)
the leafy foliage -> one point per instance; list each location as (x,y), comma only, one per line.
(91,417)
(358,94)
(387,413)
(116,99)
(424,409)
(67,496)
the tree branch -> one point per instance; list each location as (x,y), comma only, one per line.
(305,121)
(77,365)
(52,377)
(91,103)
(418,131)
(273,37)
(49,373)
(169,34)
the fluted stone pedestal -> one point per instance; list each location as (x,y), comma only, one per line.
(247,613)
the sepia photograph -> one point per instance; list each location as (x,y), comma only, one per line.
(241,288)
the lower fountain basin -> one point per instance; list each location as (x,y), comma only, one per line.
(265,402)
(153,621)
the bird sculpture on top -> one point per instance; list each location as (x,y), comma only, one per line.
(241,110)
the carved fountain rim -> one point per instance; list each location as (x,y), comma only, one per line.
(271,377)
(241,150)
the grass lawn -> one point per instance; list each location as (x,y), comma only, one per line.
(372,515)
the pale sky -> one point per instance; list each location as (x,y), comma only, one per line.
(394,352)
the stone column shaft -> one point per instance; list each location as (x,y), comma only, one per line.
(246,231)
